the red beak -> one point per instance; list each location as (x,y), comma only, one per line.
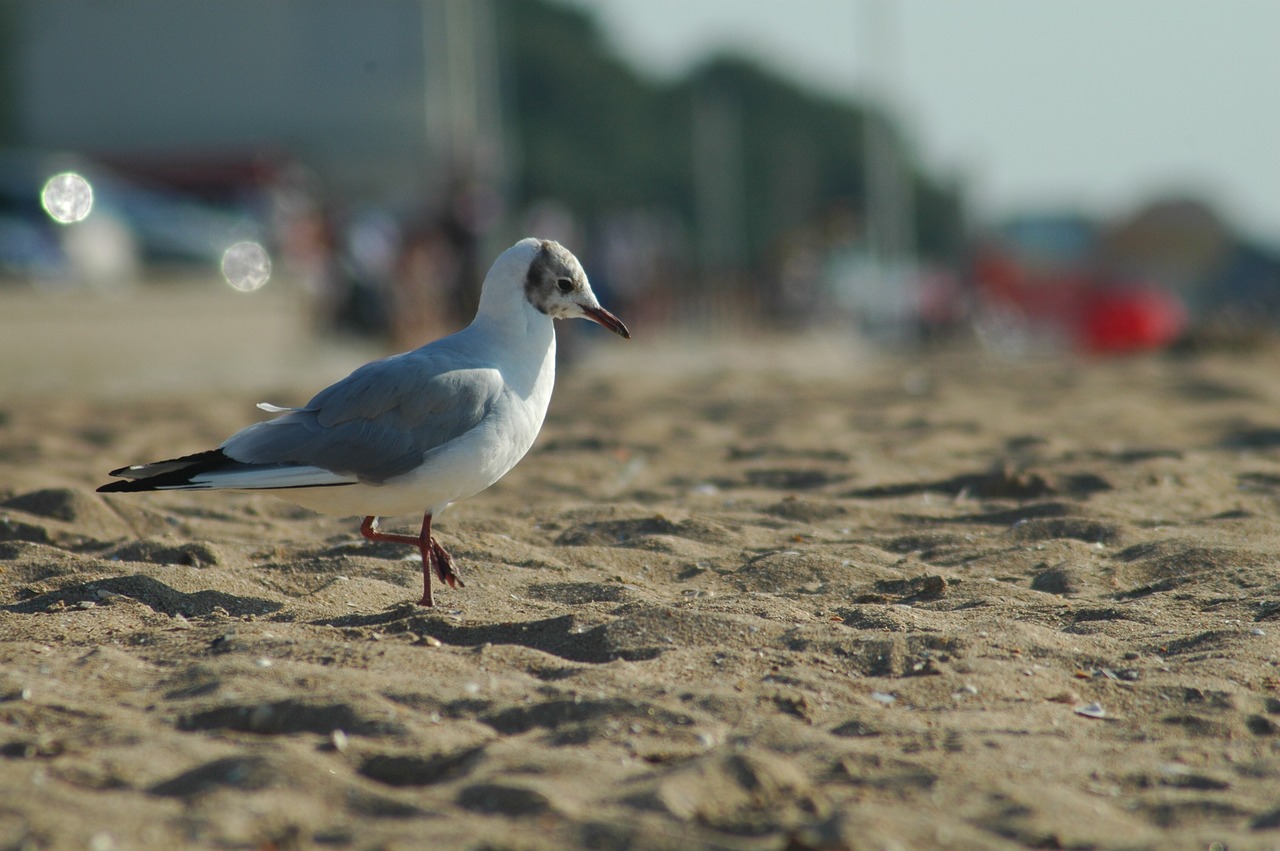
(600,316)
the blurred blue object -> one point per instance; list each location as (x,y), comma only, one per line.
(29,247)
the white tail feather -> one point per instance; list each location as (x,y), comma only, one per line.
(271,477)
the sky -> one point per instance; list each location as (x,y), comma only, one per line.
(1093,105)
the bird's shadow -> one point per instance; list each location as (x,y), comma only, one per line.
(564,635)
(151,593)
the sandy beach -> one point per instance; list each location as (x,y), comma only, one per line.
(744,593)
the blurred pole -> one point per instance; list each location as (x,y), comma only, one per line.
(463,92)
(464,131)
(890,203)
(719,197)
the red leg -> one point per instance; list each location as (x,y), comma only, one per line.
(441,561)
(434,557)
(369,528)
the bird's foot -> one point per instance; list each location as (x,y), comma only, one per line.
(435,558)
(443,564)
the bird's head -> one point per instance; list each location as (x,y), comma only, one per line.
(556,285)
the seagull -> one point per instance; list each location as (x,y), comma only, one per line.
(415,431)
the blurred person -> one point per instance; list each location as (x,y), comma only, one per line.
(637,253)
(435,285)
(426,278)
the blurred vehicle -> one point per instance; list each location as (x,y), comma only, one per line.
(1043,279)
(130,224)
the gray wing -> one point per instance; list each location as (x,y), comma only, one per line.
(378,422)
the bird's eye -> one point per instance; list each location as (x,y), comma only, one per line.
(565,285)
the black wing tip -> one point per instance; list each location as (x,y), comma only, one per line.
(171,477)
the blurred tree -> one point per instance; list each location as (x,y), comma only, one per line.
(598,136)
(801,153)
(592,132)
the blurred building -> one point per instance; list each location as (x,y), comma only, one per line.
(1183,244)
(341,86)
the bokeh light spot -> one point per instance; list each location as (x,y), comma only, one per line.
(67,197)
(246,266)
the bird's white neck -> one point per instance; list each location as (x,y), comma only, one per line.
(528,340)
(509,323)
(505,314)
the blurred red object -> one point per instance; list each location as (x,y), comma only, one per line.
(1047,275)
(1115,321)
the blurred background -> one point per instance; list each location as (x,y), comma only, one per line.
(1058,176)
